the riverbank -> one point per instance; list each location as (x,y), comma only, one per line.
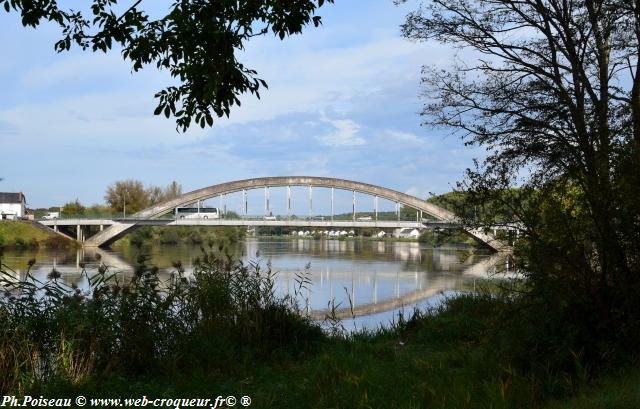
(427,237)
(226,334)
(441,360)
(22,234)
(173,235)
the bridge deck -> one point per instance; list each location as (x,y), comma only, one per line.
(383,224)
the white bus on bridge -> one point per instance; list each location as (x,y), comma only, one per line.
(197,213)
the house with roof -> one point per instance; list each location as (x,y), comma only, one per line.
(408,233)
(12,205)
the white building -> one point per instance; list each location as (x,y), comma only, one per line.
(12,205)
(409,233)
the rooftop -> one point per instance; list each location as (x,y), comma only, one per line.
(6,197)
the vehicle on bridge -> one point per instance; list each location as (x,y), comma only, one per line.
(197,213)
(51,216)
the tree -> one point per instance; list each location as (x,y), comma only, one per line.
(554,97)
(138,197)
(156,194)
(408,213)
(74,208)
(196,41)
(173,190)
(130,193)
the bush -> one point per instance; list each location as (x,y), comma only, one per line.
(51,331)
(57,242)
(169,236)
(19,242)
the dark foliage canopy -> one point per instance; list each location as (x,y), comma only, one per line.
(551,89)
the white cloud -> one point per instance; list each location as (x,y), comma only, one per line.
(69,69)
(344,134)
(418,192)
(110,119)
(341,102)
(405,136)
(312,79)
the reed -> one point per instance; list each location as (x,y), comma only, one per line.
(51,331)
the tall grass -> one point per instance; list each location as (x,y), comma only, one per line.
(224,328)
(226,312)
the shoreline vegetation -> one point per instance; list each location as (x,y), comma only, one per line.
(193,235)
(225,330)
(22,235)
(427,237)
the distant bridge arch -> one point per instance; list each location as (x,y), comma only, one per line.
(116,231)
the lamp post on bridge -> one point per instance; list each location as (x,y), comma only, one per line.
(124,205)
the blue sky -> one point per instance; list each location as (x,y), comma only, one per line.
(342,102)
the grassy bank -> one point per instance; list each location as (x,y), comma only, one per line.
(618,389)
(20,234)
(224,332)
(173,235)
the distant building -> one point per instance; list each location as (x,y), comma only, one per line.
(409,233)
(12,205)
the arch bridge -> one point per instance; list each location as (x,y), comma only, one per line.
(116,228)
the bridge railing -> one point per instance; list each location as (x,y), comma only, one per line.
(359,217)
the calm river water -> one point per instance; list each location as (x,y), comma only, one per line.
(369,282)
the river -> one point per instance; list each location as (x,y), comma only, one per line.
(368,282)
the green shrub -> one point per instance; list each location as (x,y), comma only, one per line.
(169,236)
(20,243)
(57,242)
(51,331)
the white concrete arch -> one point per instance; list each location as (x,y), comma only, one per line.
(115,231)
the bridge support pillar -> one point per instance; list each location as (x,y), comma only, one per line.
(375,206)
(224,205)
(354,205)
(101,227)
(288,201)
(331,204)
(244,199)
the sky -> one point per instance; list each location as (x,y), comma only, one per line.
(343,101)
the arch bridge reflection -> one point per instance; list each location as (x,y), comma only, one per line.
(360,277)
